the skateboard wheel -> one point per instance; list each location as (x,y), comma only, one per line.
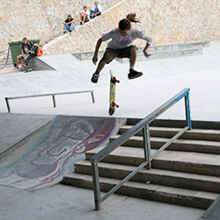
(117,106)
(113,103)
(118,81)
(114,78)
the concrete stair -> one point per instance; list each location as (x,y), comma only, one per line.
(158,52)
(9,64)
(187,173)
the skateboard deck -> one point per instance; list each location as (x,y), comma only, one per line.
(28,70)
(112,103)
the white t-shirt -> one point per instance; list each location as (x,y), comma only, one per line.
(99,7)
(119,42)
(87,12)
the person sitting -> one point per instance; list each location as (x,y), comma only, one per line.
(36,51)
(84,15)
(25,50)
(97,10)
(68,24)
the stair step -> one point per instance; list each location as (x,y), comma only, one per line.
(154,176)
(194,134)
(178,145)
(191,198)
(189,162)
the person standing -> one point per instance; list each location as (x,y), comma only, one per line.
(25,50)
(84,15)
(68,24)
(97,10)
(121,45)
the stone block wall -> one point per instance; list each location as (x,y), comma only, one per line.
(39,18)
(168,22)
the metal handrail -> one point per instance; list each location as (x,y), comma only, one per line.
(48,94)
(144,126)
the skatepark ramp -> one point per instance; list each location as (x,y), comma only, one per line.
(62,142)
(184,171)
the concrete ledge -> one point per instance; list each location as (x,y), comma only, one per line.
(39,65)
(158,52)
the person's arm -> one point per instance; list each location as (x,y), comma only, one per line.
(149,40)
(36,45)
(146,54)
(98,45)
(70,22)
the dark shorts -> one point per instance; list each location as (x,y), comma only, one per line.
(111,54)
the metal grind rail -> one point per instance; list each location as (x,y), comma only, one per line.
(49,94)
(144,126)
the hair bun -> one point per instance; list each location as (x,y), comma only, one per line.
(132,18)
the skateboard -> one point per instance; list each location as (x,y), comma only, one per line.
(28,70)
(113,82)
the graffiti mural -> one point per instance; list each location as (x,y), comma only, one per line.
(54,153)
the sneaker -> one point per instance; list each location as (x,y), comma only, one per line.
(134,74)
(64,32)
(24,64)
(81,23)
(95,77)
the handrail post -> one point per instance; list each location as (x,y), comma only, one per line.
(7,104)
(54,101)
(96,185)
(147,146)
(93,98)
(187,109)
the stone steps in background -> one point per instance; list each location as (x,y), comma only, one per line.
(158,52)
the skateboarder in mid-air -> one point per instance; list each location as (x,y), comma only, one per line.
(121,46)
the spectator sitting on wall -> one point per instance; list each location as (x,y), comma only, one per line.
(97,10)
(25,50)
(84,15)
(36,51)
(68,24)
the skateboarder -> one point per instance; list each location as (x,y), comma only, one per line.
(121,46)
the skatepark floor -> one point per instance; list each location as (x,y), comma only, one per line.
(67,202)
(162,79)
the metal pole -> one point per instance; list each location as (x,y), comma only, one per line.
(7,104)
(96,185)
(93,98)
(147,146)
(54,101)
(187,109)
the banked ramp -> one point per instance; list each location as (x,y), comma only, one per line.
(53,154)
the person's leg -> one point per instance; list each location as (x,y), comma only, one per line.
(131,53)
(71,27)
(64,28)
(19,57)
(84,18)
(133,56)
(28,58)
(87,19)
(91,13)
(107,58)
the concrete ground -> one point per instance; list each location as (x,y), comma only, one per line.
(66,202)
